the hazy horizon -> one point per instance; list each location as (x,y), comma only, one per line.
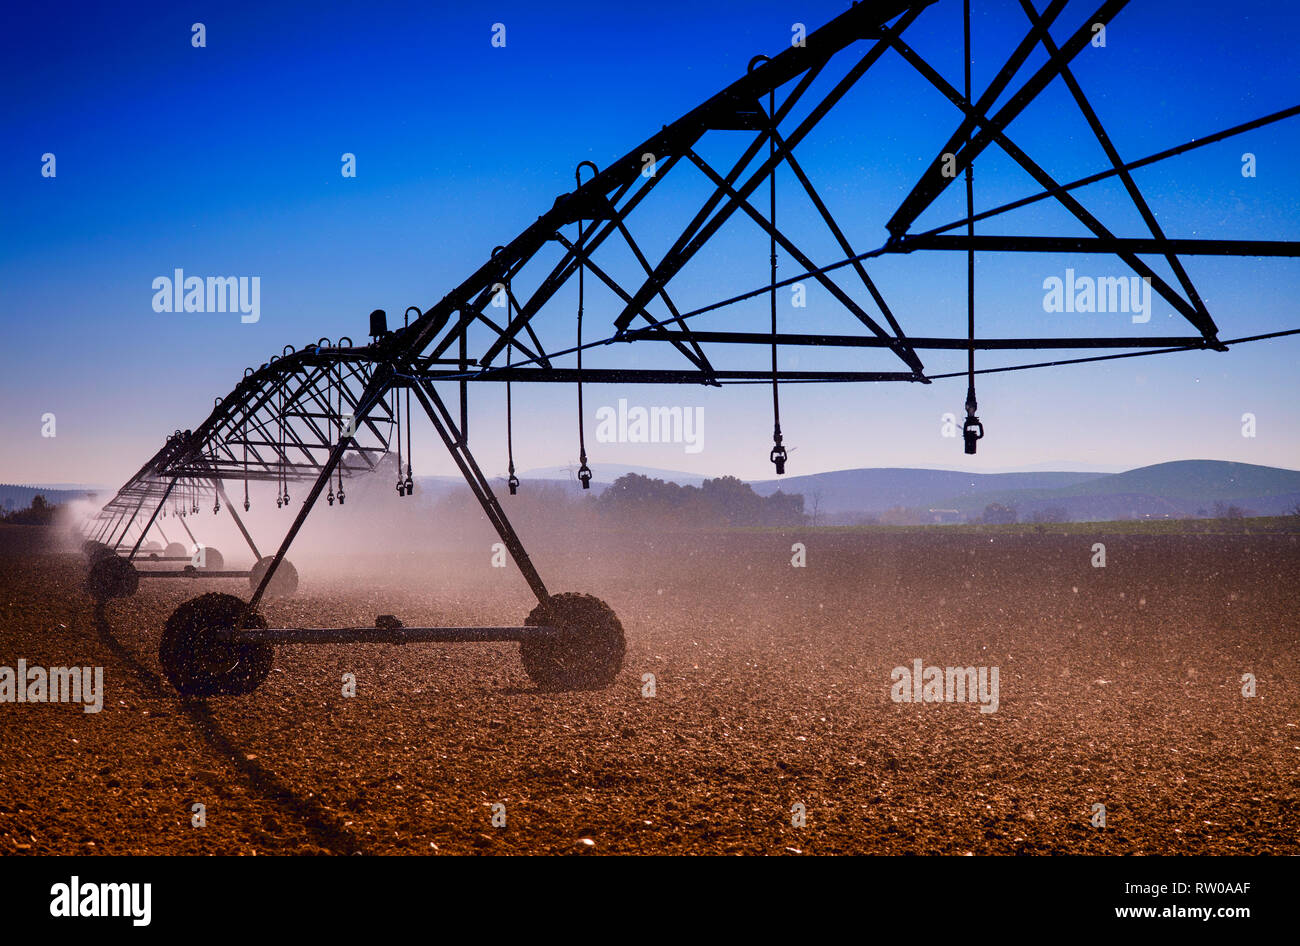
(605,476)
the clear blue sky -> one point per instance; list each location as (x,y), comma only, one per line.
(226,161)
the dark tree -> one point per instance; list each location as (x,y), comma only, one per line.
(725,501)
(39,513)
(999,514)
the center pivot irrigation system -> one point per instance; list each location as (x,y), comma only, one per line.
(328,412)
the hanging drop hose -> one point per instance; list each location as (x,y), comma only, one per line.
(972,429)
(584,471)
(512,481)
(246,503)
(410,446)
(778,456)
(279,447)
(397,416)
(342,432)
(329,408)
(284,454)
(322,343)
(284,440)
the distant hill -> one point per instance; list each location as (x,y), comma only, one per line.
(1178,488)
(873,491)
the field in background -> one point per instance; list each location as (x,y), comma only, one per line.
(1256,525)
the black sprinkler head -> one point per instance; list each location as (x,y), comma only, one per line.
(972,431)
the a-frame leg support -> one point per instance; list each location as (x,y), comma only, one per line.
(474,478)
(153,518)
(376,388)
(230,508)
(442,422)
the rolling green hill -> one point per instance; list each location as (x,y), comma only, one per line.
(1178,488)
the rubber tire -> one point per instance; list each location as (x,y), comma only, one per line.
(111,576)
(196,665)
(94,551)
(285,582)
(588,655)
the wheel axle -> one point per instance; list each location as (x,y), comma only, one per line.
(382,635)
(213,646)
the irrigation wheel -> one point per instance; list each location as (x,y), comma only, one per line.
(283,583)
(196,665)
(111,576)
(586,655)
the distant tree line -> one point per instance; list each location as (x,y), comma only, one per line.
(39,513)
(725,501)
(1224,510)
(999,514)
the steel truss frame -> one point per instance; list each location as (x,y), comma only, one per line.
(329,410)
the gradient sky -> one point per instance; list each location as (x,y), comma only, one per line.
(226,161)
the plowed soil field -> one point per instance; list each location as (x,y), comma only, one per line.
(1120,686)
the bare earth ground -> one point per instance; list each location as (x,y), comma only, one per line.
(1118,685)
